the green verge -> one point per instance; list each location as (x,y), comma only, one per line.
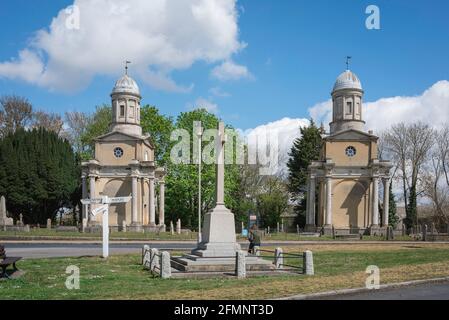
(122,277)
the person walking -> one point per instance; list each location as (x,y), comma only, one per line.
(253,238)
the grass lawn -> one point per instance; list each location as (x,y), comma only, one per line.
(44,234)
(122,277)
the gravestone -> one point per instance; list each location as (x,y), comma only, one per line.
(172,228)
(403,230)
(20,220)
(424,234)
(124,228)
(447,229)
(434,230)
(282,225)
(297,228)
(268,230)
(49,224)
(277,228)
(178,226)
(4,220)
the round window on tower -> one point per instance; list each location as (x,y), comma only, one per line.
(118,152)
(351,151)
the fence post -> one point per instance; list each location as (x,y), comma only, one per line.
(278,258)
(308,263)
(146,255)
(165,265)
(240,264)
(154,259)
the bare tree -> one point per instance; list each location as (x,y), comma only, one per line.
(410,145)
(15,112)
(76,125)
(48,121)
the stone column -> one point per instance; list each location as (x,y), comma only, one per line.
(152,205)
(162,203)
(145,206)
(134,220)
(375,203)
(311,203)
(386,183)
(84,196)
(328,201)
(92,196)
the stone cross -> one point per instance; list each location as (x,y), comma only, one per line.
(49,224)
(221,139)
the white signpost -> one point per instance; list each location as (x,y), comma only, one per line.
(104,209)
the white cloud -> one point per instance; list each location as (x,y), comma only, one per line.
(218,92)
(431,107)
(158,36)
(202,103)
(286,130)
(229,70)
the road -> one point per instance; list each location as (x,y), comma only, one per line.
(30,250)
(427,291)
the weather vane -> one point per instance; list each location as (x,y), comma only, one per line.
(347,62)
(126,66)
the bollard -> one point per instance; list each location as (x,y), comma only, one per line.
(308,263)
(154,259)
(146,255)
(256,251)
(278,258)
(240,264)
(165,268)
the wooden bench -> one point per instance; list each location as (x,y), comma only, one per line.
(5,262)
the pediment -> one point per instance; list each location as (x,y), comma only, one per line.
(352,134)
(116,136)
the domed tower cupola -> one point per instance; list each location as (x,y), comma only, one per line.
(126,106)
(347,103)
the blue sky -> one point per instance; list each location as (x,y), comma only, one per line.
(294,51)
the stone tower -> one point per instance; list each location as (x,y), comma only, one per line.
(346,178)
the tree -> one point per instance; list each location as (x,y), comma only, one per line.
(305,149)
(159,127)
(48,121)
(97,126)
(273,201)
(393,218)
(409,145)
(76,126)
(182,179)
(15,113)
(40,174)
